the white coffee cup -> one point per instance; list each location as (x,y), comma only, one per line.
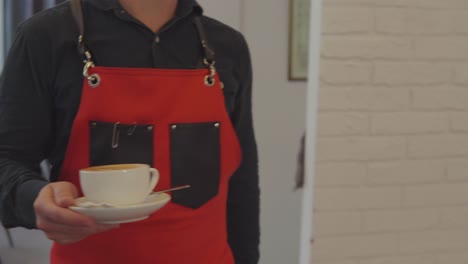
(120,184)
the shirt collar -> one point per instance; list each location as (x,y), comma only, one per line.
(184,7)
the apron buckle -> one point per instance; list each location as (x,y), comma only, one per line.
(210,78)
(94,79)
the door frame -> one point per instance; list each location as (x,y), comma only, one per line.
(315,35)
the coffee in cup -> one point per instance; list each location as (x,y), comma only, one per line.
(120,184)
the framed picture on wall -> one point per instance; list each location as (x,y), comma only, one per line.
(299,39)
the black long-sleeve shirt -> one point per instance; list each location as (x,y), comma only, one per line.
(40,90)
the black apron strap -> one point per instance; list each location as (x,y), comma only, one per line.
(207,51)
(94,79)
(77,13)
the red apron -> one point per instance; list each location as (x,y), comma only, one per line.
(177,108)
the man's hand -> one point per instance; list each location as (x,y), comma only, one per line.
(59,223)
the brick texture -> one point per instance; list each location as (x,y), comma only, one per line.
(392,153)
(408,172)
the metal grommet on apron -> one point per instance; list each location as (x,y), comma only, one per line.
(94,80)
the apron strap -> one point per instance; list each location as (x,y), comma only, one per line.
(77,13)
(207,51)
(94,79)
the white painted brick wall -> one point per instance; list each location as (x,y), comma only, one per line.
(454,217)
(460,76)
(400,220)
(454,258)
(459,121)
(407,172)
(365,47)
(433,240)
(346,72)
(368,245)
(347,20)
(364,98)
(392,169)
(454,48)
(336,174)
(361,148)
(419,259)
(335,199)
(339,223)
(457,169)
(443,194)
(413,21)
(414,73)
(422,146)
(409,123)
(343,123)
(440,98)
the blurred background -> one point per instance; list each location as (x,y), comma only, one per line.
(16,11)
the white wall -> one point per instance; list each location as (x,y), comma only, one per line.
(279,112)
(308,199)
(227,11)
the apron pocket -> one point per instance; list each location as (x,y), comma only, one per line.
(195,160)
(116,143)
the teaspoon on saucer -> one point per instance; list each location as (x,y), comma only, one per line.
(89,204)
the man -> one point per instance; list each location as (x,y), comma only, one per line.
(49,111)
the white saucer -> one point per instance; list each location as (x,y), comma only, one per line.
(124,214)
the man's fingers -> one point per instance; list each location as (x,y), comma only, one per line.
(52,227)
(65,194)
(64,216)
(60,223)
(64,239)
(68,235)
(47,209)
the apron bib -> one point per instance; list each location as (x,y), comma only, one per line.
(176,121)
